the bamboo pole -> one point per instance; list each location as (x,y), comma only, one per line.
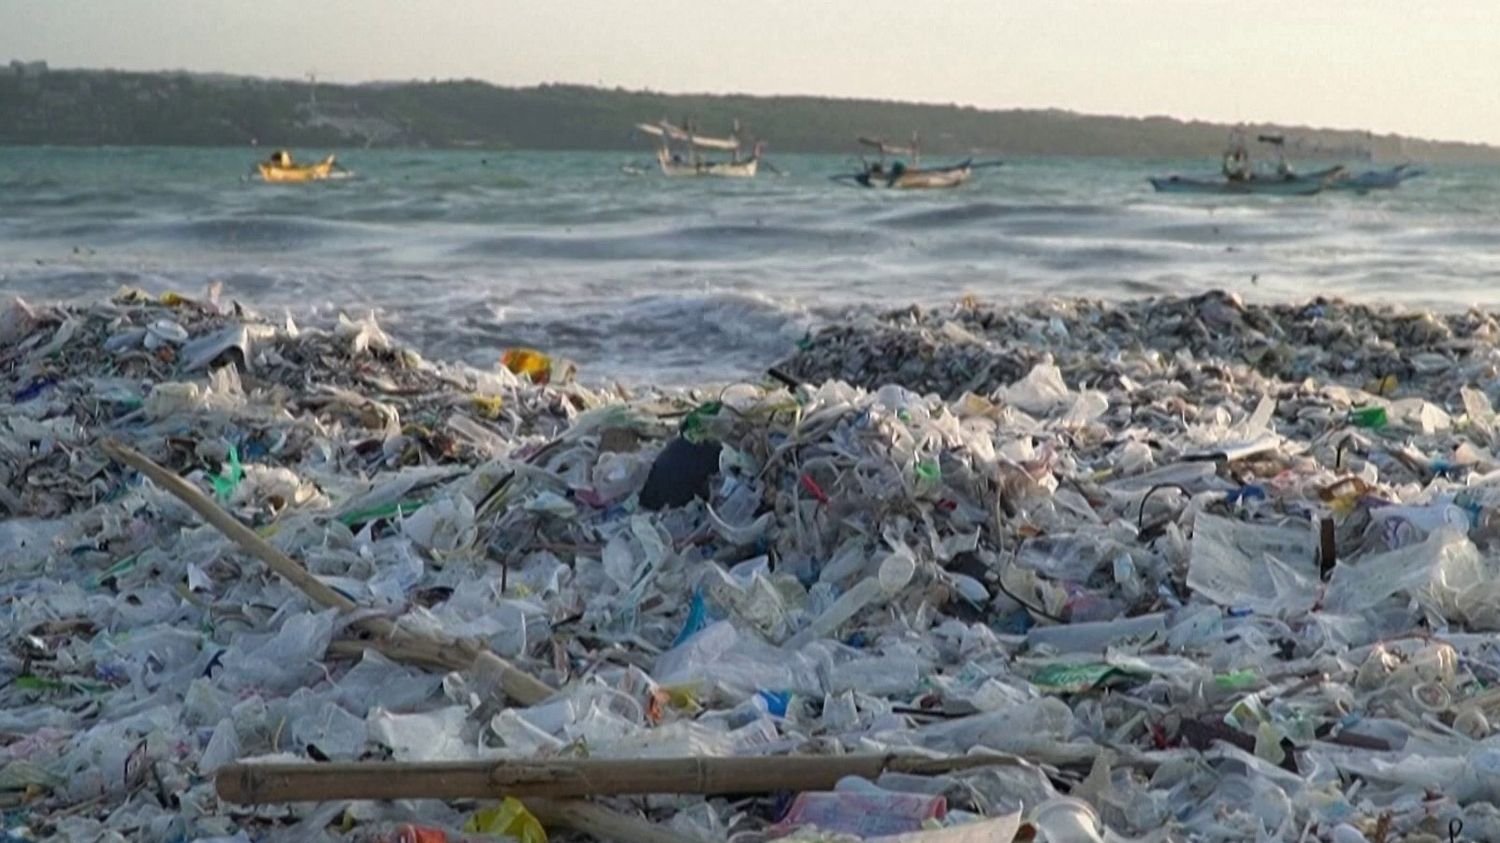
(519,685)
(258,784)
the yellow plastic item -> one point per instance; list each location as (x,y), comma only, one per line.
(294,173)
(510,818)
(529,362)
(488,405)
(1382,386)
(171,299)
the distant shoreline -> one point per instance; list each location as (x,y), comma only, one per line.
(90,108)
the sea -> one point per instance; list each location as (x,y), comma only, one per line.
(638,278)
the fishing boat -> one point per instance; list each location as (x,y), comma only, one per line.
(900,175)
(687,160)
(281,169)
(1387,179)
(1240,176)
(1305,184)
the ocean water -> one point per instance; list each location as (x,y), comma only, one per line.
(649,279)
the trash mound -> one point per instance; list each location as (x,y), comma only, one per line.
(977,348)
(1133,590)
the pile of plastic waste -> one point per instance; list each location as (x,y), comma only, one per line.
(1208,571)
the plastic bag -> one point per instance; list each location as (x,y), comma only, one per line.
(1270,570)
(286,660)
(1040,392)
(444,526)
(429,736)
(720,655)
(1362,584)
(509,818)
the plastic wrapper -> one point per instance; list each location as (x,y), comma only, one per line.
(865,813)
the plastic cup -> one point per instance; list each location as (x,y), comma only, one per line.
(1064,819)
(896,572)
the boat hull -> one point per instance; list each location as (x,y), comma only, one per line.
(292,175)
(1175,184)
(1376,179)
(1303,185)
(712,169)
(935,179)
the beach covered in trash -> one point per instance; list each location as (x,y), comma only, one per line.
(1169,569)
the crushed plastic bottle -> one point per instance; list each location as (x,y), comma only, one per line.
(895,572)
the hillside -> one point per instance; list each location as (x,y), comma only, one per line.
(89,107)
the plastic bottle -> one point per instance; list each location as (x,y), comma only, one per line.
(896,570)
(1095,636)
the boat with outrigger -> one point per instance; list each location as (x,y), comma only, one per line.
(1387,179)
(900,175)
(1239,175)
(679,151)
(280,169)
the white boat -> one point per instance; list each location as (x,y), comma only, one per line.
(900,175)
(679,149)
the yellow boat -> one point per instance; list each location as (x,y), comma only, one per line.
(281,169)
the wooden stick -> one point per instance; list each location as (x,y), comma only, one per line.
(258,784)
(519,685)
(412,651)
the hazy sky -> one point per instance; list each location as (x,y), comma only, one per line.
(1423,67)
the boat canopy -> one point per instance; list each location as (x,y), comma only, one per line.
(677,133)
(888,148)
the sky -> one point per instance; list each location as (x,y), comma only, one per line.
(1429,69)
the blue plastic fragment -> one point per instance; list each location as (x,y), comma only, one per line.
(1014,623)
(33,389)
(1246,493)
(776,701)
(697,618)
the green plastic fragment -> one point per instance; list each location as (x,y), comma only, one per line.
(226,483)
(114,570)
(1236,680)
(694,424)
(28,682)
(1073,678)
(32,682)
(376,513)
(1370,417)
(928,471)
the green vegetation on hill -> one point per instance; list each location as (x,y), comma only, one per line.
(88,107)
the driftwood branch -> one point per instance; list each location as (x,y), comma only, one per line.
(258,784)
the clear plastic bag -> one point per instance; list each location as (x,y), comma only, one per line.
(1271,570)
